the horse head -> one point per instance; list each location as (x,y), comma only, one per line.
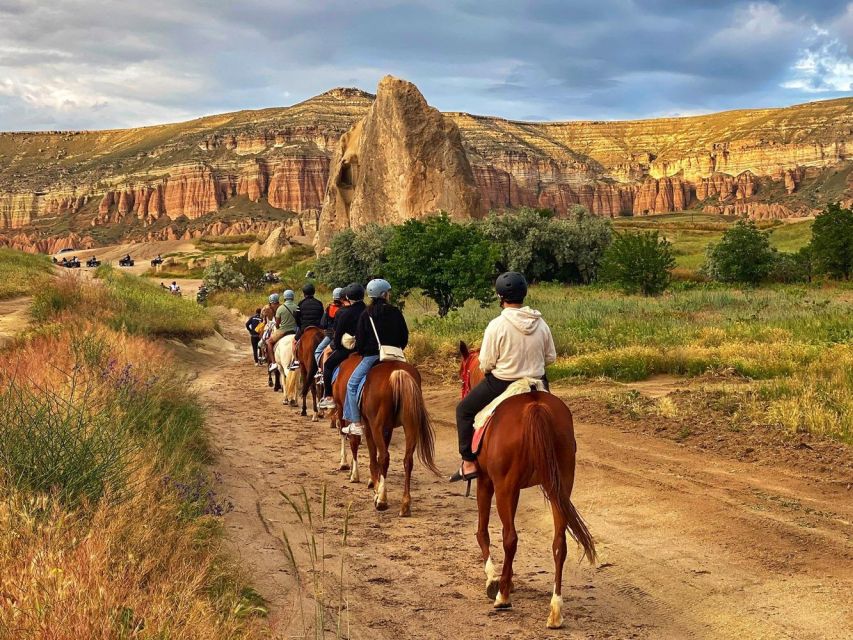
(469,368)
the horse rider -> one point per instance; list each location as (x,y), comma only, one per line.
(309,314)
(251,326)
(327,323)
(380,320)
(346,324)
(285,325)
(517,344)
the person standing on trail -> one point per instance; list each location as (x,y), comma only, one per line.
(286,324)
(327,323)
(251,326)
(517,344)
(346,324)
(381,324)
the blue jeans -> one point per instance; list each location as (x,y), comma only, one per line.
(325,342)
(356,382)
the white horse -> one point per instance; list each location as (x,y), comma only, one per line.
(283,358)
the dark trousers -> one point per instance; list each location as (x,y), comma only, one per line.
(256,340)
(481,395)
(332,363)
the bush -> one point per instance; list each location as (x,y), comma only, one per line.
(449,262)
(533,242)
(790,267)
(743,255)
(251,270)
(639,262)
(355,256)
(832,242)
(223,276)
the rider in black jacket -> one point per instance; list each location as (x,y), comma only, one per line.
(346,323)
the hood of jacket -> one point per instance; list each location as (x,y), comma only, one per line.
(524,319)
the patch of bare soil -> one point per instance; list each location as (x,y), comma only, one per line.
(13,317)
(693,543)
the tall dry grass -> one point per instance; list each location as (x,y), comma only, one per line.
(22,273)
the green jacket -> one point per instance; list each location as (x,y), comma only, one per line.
(285,316)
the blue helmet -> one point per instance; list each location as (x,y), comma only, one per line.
(273,298)
(337,293)
(289,295)
(377,287)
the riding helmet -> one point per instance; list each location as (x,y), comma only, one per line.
(273,298)
(377,287)
(337,293)
(308,289)
(511,287)
(354,292)
(289,295)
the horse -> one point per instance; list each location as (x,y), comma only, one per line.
(392,397)
(530,442)
(339,393)
(283,356)
(311,337)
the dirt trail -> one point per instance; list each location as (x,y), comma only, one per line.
(692,545)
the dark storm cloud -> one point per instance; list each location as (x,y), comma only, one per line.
(79,63)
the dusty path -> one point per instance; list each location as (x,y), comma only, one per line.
(692,545)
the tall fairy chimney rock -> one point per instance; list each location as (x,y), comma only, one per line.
(403,160)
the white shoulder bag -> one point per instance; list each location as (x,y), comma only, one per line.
(394,354)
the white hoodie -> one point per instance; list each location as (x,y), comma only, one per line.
(517,344)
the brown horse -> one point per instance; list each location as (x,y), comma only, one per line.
(530,442)
(339,393)
(392,398)
(305,348)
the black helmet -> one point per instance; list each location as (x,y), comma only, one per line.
(511,287)
(308,289)
(354,292)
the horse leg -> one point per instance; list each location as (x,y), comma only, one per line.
(485,492)
(408,464)
(277,386)
(555,615)
(315,416)
(507,502)
(354,442)
(383,460)
(305,384)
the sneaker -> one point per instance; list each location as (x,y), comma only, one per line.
(326,403)
(273,367)
(353,429)
(293,366)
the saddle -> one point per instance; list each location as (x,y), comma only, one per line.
(484,418)
(360,386)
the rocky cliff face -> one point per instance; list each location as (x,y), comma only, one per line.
(403,160)
(410,159)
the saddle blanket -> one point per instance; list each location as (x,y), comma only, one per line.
(484,417)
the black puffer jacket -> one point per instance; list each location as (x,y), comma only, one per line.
(310,312)
(390,325)
(347,322)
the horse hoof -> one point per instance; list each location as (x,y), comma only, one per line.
(406,513)
(370,484)
(354,480)
(303,413)
(314,418)
(381,506)
(343,467)
(555,624)
(502,605)
(492,588)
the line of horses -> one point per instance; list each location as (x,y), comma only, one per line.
(530,443)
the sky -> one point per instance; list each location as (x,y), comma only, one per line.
(85,64)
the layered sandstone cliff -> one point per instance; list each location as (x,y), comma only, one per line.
(752,162)
(403,160)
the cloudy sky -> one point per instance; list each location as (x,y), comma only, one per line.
(98,64)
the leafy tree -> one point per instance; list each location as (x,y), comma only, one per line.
(535,243)
(743,254)
(639,262)
(832,242)
(789,267)
(355,255)
(449,262)
(222,275)
(251,270)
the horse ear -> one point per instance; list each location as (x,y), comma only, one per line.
(463,348)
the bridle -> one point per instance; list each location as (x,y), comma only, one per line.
(465,371)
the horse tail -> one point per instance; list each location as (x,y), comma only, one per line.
(411,410)
(538,421)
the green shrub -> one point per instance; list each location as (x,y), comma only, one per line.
(639,263)
(832,242)
(251,270)
(221,276)
(356,255)
(743,255)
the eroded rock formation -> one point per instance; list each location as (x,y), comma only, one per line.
(403,160)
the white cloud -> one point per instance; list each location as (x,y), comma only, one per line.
(825,66)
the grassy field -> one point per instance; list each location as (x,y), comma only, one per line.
(22,273)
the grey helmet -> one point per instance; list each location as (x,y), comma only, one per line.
(378,287)
(273,298)
(337,293)
(289,295)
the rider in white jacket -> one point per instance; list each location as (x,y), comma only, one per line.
(517,344)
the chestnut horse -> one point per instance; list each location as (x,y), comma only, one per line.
(529,442)
(339,393)
(305,348)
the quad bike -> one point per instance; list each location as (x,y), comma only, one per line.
(92,262)
(127,261)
